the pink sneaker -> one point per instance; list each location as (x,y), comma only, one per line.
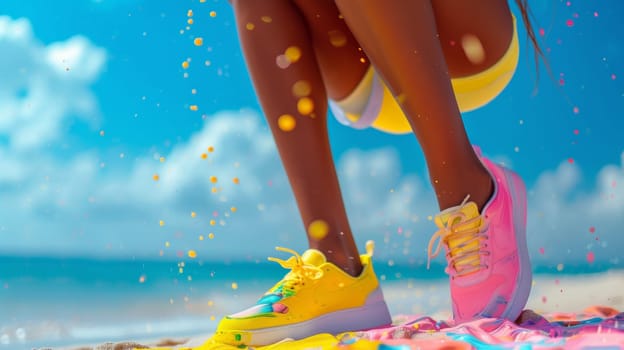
(487,255)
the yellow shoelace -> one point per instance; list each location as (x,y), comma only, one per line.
(299,269)
(465,245)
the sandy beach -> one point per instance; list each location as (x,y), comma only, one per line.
(558,293)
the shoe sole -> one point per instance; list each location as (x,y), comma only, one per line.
(519,298)
(373,314)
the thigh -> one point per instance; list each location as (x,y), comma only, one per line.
(489,22)
(341,60)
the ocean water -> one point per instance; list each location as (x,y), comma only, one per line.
(67,301)
(62,301)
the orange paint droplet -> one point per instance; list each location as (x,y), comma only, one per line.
(250,26)
(189,13)
(337,38)
(286,122)
(193,108)
(189,21)
(185,64)
(305,106)
(213,14)
(266,19)
(213,222)
(233,209)
(301,89)
(155,177)
(210,149)
(193,214)
(293,54)
(204,155)
(236,180)
(234,285)
(192,254)
(161,159)
(213,179)
(318,229)
(198,41)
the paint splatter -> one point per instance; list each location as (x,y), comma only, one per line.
(591,257)
(569,23)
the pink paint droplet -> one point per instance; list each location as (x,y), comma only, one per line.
(557,282)
(591,257)
(575,15)
(541,250)
(595,14)
(613,76)
(592,229)
(568,3)
(575,110)
(542,32)
(215,213)
(576,131)
(561,81)
(400,230)
(544,299)
(613,184)
(569,23)
(452,42)
(570,160)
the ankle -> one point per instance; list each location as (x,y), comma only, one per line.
(348,263)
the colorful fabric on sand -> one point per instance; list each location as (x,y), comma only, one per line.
(596,328)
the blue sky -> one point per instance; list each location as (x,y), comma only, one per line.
(93,94)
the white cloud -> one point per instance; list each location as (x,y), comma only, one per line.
(42,85)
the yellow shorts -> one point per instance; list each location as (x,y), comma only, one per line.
(372,104)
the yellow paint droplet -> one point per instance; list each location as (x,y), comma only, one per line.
(202,1)
(286,122)
(193,214)
(210,303)
(214,190)
(193,108)
(250,26)
(362,60)
(204,155)
(193,91)
(293,53)
(213,179)
(305,106)
(213,222)
(212,318)
(167,244)
(192,254)
(337,38)
(473,48)
(234,285)
(201,237)
(155,177)
(233,209)
(301,89)
(210,235)
(189,13)
(236,180)
(161,159)
(210,149)
(213,14)
(185,64)
(318,229)
(161,222)
(142,279)
(198,41)
(189,21)
(266,19)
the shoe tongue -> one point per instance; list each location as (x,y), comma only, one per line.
(470,210)
(313,257)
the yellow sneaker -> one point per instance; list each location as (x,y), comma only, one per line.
(314,297)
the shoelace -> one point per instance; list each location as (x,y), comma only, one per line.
(461,260)
(299,270)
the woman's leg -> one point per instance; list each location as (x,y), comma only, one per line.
(280,53)
(401,38)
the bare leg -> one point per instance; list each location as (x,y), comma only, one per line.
(413,64)
(267,29)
